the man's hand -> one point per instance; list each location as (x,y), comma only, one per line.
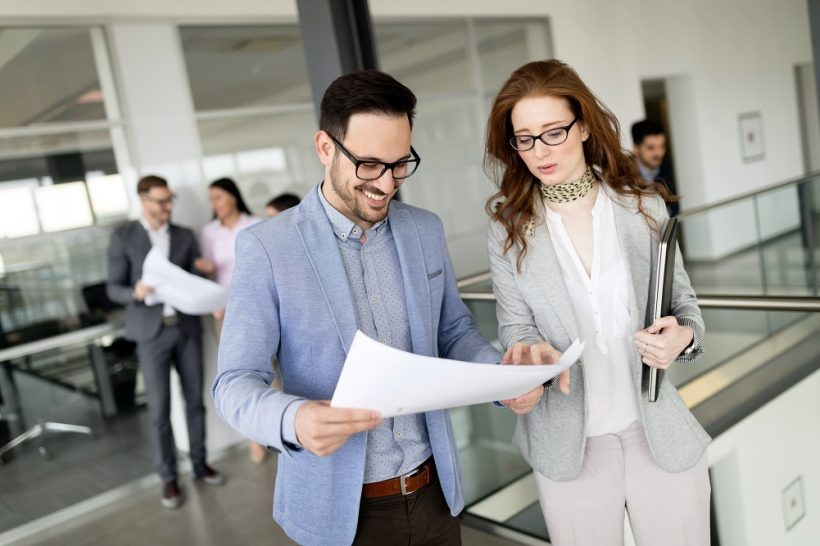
(141,290)
(663,341)
(204,266)
(538,353)
(322,430)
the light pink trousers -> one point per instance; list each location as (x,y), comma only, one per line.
(619,474)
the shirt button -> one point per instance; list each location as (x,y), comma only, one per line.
(364,253)
(373,297)
(384,340)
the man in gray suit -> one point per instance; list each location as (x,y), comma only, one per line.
(163,334)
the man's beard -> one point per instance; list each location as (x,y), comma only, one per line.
(348,197)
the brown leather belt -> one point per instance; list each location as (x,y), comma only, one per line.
(402,485)
(170,320)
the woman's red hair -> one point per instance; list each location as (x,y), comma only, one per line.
(513,205)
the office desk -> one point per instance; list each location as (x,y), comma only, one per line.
(91,336)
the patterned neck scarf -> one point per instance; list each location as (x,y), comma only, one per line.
(570,191)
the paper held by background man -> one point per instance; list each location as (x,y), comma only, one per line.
(181,290)
(395,382)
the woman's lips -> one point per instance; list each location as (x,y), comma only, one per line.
(547,169)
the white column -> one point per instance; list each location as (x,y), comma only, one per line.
(163,138)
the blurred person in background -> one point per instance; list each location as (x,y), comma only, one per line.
(163,334)
(649,150)
(281,203)
(231,215)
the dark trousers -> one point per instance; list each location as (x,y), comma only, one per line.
(156,356)
(421,518)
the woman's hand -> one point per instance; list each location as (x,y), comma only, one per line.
(537,353)
(204,266)
(663,341)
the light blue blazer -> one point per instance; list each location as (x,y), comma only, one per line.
(290,299)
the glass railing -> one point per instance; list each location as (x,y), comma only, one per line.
(499,488)
(766,242)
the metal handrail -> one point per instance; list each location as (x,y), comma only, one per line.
(761,303)
(796,180)
(757,303)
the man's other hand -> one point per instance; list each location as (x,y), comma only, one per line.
(322,429)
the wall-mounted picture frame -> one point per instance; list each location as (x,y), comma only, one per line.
(752,144)
(794,504)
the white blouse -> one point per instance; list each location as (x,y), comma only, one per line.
(601,305)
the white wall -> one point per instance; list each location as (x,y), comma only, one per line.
(757,458)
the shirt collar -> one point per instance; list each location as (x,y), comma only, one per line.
(648,174)
(163,229)
(343,227)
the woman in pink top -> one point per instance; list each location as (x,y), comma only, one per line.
(231,214)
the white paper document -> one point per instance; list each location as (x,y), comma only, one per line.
(395,382)
(181,290)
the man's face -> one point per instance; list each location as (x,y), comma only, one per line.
(157,205)
(370,136)
(651,151)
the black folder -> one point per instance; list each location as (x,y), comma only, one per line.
(661,303)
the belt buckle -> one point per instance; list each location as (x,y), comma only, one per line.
(403,480)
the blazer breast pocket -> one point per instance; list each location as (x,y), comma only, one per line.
(436,281)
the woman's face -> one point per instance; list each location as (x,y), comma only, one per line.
(223,203)
(557,164)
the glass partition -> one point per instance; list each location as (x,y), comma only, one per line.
(765,243)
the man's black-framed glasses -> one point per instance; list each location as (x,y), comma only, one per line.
(372,170)
(550,137)
(161,202)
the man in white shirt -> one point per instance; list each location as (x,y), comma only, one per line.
(164,336)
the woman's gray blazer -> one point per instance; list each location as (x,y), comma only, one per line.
(532,305)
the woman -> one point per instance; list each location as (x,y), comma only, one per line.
(572,242)
(231,214)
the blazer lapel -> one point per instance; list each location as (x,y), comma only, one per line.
(414,277)
(320,245)
(141,244)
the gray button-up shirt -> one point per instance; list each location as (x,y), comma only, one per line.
(399,444)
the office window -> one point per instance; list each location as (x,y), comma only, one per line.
(18,215)
(455,67)
(63,206)
(108,194)
(253,108)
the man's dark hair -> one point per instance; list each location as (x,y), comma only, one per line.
(150,181)
(644,128)
(363,91)
(283,201)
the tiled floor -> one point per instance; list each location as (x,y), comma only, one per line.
(80,466)
(236,513)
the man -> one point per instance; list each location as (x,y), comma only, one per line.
(163,335)
(281,203)
(649,150)
(348,257)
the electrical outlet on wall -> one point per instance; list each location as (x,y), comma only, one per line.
(794,506)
